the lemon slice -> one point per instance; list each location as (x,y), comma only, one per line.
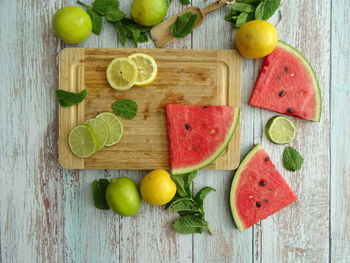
(121,73)
(114,125)
(101,131)
(82,141)
(280,130)
(147,68)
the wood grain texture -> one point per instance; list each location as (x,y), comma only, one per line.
(198,77)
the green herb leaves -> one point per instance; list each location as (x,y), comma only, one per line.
(99,188)
(183,25)
(292,160)
(247,10)
(189,207)
(125,27)
(67,98)
(125,108)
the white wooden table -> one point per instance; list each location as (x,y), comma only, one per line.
(47,214)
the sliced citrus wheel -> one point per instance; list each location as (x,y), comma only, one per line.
(114,125)
(101,131)
(280,130)
(147,68)
(82,141)
(121,73)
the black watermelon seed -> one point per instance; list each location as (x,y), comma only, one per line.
(262,183)
(258,204)
(267,159)
(282,93)
(286,69)
(188,127)
(205,107)
(289,110)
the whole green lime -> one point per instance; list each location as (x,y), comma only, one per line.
(72,24)
(123,196)
(148,12)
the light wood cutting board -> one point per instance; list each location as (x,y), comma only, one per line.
(198,77)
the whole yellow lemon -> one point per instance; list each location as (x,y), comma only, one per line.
(256,39)
(157,187)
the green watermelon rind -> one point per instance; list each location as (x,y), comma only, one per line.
(217,153)
(312,73)
(234,185)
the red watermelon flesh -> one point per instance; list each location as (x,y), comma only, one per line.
(198,134)
(258,190)
(287,84)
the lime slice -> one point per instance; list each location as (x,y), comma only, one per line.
(101,131)
(280,130)
(115,127)
(82,141)
(122,73)
(147,68)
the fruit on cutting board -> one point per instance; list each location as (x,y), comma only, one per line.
(82,141)
(256,39)
(114,125)
(288,85)
(101,131)
(149,12)
(121,73)
(280,130)
(157,187)
(258,190)
(123,196)
(72,24)
(147,68)
(198,134)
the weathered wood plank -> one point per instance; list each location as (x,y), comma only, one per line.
(340,132)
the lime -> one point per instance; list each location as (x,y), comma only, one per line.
(148,12)
(147,68)
(72,24)
(115,127)
(82,141)
(101,131)
(123,197)
(121,73)
(280,130)
(157,187)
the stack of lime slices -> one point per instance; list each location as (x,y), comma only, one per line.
(104,130)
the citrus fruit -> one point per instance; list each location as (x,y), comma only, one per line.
(147,68)
(101,131)
(82,141)
(148,12)
(123,197)
(256,39)
(280,130)
(157,187)
(114,125)
(72,24)
(121,73)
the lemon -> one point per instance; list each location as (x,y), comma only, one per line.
(256,39)
(121,73)
(82,141)
(147,68)
(101,131)
(72,24)
(148,12)
(114,125)
(280,130)
(157,187)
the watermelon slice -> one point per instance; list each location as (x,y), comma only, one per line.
(198,134)
(258,190)
(287,84)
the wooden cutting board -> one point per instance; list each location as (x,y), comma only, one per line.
(198,77)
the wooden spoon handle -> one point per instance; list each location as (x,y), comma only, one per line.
(214,6)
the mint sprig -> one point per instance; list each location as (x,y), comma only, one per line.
(188,206)
(292,159)
(67,99)
(183,25)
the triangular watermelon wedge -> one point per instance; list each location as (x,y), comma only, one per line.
(258,190)
(288,85)
(198,134)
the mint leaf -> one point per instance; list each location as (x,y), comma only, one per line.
(101,6)
(183,25)
(242,7)
(248,1)
(125,108)
(142,38)
(67,98)
(200,196)
(96,21)
(132,32)
(182,205)
(180,185)
(121,32)
(113,14)
(266,9)
(188,178)
(292,159)
(99,188)
(185,2)
(189,224)
(243,18)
